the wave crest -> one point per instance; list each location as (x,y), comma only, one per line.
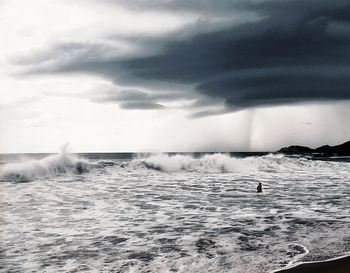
(47,167)
(224,163)
(211,163)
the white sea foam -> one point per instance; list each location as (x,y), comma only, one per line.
(52,165)
(192,214)
(213,163)
(224,163)
(30,169)
(104,163)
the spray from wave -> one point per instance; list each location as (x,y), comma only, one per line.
(53,165)
(210,163)
(47,167)
(224,163)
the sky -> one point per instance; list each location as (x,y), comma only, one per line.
(173,75)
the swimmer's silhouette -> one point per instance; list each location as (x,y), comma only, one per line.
(259,188)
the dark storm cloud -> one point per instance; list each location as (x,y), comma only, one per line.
(255,87)
(297,52)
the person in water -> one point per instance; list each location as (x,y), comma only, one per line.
(259,187)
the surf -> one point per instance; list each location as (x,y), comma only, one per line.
(53,165)
(225,163)
(209,163)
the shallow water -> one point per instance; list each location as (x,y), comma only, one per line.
(171,213)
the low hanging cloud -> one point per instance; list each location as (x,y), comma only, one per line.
(128,99)
(292,51)
(137,99)
(281,85)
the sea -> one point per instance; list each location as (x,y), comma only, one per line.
(124,212)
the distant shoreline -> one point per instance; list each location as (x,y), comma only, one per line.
(323,151)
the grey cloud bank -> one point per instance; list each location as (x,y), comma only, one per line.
(298,51)
(128,99)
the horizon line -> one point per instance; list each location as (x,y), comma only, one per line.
(140,152)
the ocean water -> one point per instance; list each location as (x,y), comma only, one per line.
(170,213)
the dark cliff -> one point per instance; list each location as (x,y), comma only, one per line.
(326,150)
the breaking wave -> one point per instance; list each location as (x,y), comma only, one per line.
(224,163)
(104,163)
(47,167)
(31,169)
(212,163)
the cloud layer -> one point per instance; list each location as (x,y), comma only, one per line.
(284,52)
